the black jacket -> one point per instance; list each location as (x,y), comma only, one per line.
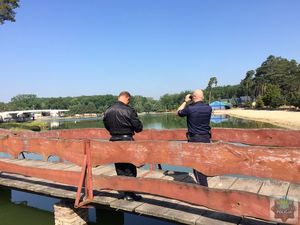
(121,119)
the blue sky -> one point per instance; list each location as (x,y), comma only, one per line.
(148,47)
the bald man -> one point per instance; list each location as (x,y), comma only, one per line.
(198,122)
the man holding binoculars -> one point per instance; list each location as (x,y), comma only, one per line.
(198,122)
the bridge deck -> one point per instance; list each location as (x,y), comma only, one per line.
(151,205)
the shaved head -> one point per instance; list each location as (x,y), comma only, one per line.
(198,95)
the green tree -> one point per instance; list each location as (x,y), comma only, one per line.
(7,8)
(295,100)
(171,102)
(278,71)
(259,103)
(24,101)
(247,83)
(212,82)
(272,96)
(3,107)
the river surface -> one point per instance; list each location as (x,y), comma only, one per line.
(20,208)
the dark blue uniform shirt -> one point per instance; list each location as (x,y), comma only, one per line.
(198,118)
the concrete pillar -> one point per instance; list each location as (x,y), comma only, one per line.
(66,214)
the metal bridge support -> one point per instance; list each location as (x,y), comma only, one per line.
(66,214)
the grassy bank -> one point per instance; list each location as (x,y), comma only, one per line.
(33,125)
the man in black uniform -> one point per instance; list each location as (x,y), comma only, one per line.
(198,119)
(122,122)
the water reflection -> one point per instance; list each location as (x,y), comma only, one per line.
(54,124)
(18,213)
(219,118)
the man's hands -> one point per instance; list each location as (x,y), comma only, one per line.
(188,98)
(184,104)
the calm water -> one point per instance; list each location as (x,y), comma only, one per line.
(19,208)
(160,121)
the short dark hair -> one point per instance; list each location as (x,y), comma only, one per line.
(125,93)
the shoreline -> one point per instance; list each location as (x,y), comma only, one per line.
(285,119)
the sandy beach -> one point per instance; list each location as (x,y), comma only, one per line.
(286,119)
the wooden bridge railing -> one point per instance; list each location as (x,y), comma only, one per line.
(87,149)
(261,137)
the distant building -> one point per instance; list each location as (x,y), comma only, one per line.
(219,105)
(27,115)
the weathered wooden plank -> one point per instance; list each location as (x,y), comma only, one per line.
(41,186)
(168,209)
(176,176)
(56,166)
(153,210)
(102,169)
(67,177)
(222,182)
(247,221)
(125,205)
(40,164)
(216,218)
(154,174)
(73,168)
(141,172)
(257,163)
(274,188)
(210,159)
(267,137)
(247,184)
(108,199)
(70,150)
(233,202)
(35,163)
(59,191)
(8,160)
(294,192)
(105,197)
(186,217)
(164,207)
(174,211)
(110,172)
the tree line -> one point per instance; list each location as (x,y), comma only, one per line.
(276,82)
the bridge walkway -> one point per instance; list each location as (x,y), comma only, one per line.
(150,205)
